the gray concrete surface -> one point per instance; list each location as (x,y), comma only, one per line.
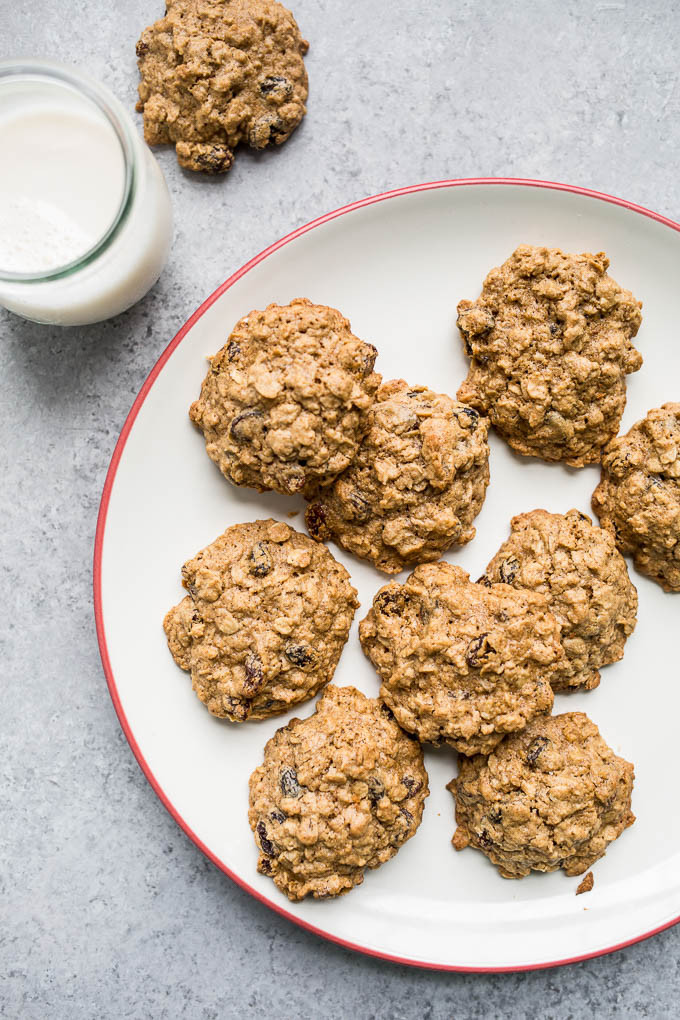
(106,908)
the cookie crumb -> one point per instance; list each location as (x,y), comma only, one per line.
(586,884)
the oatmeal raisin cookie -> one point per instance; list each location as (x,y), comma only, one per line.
(549,340)
(460,662)
(337,793)
(217,73)
(579,568)
(417,482)
(638,498)
(553,796)
(284,405)
(266,618)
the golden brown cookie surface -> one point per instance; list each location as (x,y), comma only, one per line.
(284,404)
(337,793)
(553,796)
(549,340)
(265,621)
(216,73)
(417,482)
(460,662)
(579,568)
(638,498)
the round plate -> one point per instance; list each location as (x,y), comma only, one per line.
(396,265)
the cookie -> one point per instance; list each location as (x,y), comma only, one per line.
(577,565)
(638,498)
(550,346)
(284,405)
(553,796)
(218,73)
(337,793)
(417,482)
(266,618)
(461,663)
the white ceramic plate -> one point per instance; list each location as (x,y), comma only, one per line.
(396,265)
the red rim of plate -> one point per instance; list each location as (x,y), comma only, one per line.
(101,527)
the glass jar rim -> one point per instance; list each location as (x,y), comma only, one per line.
(48,71)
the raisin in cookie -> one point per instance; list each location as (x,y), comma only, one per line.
(285,401)
(337,793)
(550,346)
(265,621)
(460,662)
(216,73)
(579,568)
(417,483)
(638,498)
(553,796)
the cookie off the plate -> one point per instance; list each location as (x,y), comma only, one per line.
(219,73)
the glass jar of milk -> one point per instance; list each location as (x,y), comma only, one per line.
(85,218)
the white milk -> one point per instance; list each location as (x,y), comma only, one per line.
(62,179)
(84,211)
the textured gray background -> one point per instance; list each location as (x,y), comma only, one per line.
(106,908)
